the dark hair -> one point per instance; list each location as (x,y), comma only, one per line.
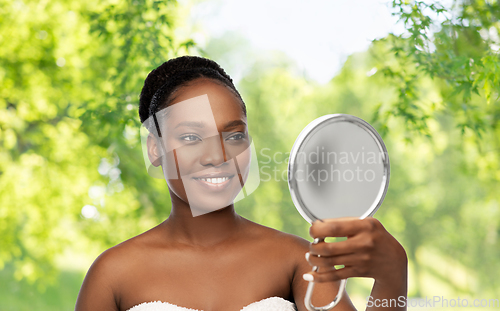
(164,81)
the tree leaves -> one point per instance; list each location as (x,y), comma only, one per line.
(71,73)
(454,50)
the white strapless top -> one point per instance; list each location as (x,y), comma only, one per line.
(268,304)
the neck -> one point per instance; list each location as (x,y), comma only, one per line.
(204,230)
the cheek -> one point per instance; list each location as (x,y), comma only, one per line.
(177,187)
(243,162)
(170,167)
(188,160)
(180,160)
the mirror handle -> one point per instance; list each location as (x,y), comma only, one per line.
(310,287)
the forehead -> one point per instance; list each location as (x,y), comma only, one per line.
(223,102)
(206,107)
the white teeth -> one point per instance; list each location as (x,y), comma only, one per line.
(215,180)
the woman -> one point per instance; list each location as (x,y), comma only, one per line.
(205,256)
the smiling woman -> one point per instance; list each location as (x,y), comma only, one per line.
(202,144)
(205,256)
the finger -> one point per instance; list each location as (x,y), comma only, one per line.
(342,227)
(331,275)
(346,260)
(349,246)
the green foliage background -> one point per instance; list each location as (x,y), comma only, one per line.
(70,75)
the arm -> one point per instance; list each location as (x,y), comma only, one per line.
(369,251)
(97,291)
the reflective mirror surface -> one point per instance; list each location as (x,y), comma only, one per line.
(338,167)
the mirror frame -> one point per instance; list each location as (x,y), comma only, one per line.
(304,137)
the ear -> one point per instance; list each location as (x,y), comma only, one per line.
(154,150)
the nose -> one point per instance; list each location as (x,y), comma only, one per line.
(213,152)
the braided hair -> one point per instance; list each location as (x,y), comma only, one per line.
(161,83)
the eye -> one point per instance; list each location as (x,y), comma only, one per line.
(190,138)
(237,136)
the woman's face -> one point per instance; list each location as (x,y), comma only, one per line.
(206,145)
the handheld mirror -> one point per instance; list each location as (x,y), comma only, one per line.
(338,167)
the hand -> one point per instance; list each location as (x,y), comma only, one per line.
(369,251)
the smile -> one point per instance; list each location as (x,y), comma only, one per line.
(214,180)
(214,183)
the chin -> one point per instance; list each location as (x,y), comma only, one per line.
(204,197)
(207,204)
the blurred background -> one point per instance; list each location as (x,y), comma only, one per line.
(73,183)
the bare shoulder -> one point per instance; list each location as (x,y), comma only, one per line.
(293,245)
(100,288)
(112,260)
(122,255)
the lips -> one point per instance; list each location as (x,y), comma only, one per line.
(214,181)
(215,175)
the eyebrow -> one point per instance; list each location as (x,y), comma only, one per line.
(228,125)
(191,124)
(233,124)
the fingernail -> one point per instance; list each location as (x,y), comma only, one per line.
(308,277)
(307,256)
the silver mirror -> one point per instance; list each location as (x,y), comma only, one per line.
(338,167)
